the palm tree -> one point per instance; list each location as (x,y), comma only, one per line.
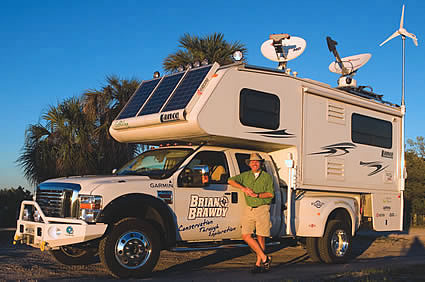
(73,139)
(59,147)
(102,106)
(211,47)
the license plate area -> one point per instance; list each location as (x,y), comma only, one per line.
(29,229)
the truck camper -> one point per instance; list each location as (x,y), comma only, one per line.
(335,154)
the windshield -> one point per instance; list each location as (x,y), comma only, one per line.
(156,163)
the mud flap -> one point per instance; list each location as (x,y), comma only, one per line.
(387,211)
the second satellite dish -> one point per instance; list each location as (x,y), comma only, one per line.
(351,63)
(290,49)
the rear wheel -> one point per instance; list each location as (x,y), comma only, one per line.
(131,249)
(312,246)
(74,256)
(336,244)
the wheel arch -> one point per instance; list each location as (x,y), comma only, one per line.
(144,207)
(345,215)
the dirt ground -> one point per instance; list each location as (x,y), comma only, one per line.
(370,250)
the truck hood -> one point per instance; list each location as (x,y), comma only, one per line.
(89,183)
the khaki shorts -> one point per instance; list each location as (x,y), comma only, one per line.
(257,219)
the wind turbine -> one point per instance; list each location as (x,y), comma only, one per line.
(404,33)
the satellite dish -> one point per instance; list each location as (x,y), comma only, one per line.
(286,50)
(351,63)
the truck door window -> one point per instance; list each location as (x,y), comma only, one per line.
(241,159)
(217,165)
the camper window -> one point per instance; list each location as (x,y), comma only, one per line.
(259,109)
(371,131)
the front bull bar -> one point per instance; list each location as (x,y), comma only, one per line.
(53,232)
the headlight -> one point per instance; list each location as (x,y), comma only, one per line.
(90,207)
(37,216)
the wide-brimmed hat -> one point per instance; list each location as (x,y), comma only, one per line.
(254,157)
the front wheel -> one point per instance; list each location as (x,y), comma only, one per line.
(336,244)
(131,249)
(74,256)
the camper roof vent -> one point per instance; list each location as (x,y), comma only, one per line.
(282,48)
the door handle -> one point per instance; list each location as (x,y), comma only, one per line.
(234,197)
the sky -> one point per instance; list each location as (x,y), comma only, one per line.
(53,50)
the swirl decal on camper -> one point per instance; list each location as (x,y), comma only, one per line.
(274,133)
(377,165)
(334,150)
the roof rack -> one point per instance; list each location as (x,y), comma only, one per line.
(360,91)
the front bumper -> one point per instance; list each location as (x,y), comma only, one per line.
(54,232)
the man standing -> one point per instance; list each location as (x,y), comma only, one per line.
(257,186)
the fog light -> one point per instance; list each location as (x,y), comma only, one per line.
(204,62)
(54,232)
(37,216)
(26,215)
(237,56)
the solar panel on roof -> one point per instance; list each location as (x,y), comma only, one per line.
(161,94)
(187,88)
(138,99)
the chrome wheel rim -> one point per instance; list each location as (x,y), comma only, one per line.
(133,250)
(339,243)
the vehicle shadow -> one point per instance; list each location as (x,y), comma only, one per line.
(220,255)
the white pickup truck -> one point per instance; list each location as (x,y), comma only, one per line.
(335,158)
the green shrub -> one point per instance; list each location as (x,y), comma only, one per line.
(10,202)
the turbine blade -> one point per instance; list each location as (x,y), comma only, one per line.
(402,17)
(415,41)
(411,35)
(395,34)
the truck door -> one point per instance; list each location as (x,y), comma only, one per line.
(276,211)
(210,212)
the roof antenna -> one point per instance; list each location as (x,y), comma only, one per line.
(282,48)
(347,66)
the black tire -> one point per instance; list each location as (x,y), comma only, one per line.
(336,244)
(74,256)
(130,249)
(312,247)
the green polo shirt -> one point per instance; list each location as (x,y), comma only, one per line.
(263,183)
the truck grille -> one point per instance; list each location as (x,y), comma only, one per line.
(50,201)
(58,199)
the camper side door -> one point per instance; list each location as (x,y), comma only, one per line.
(206,211)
